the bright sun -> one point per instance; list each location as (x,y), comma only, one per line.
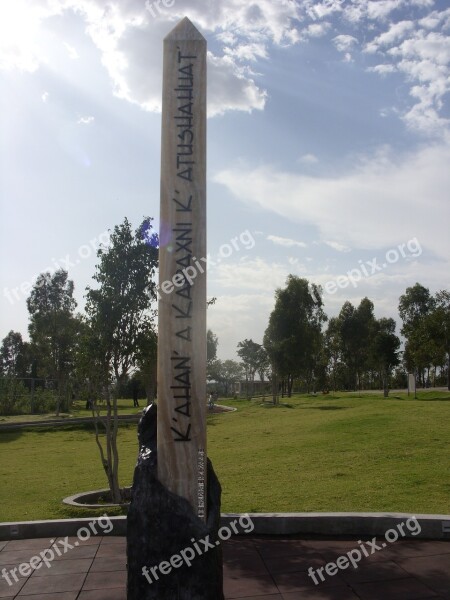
(19,26)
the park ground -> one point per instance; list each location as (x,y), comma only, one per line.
(339,452)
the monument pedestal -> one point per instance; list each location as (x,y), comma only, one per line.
(172,553)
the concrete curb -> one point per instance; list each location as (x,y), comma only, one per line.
(433,527)
(91,495)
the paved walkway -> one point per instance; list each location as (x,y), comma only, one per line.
(255,568)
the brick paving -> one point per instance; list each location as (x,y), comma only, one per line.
(255,568)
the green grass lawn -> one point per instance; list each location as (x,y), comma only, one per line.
(344,452)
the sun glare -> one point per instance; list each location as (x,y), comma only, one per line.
(19,24)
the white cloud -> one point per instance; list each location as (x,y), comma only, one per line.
(20,23)
(380,9)
(396,32)
(425,59)
(317,9)
(45,96)
(386,201)
(382,69)
(85,120)
(247,52)
(317,29)
(230,89)
(286,242)
(344,43)
(71,51)
(129,39)
(248,274)
(337,246)
(308,159)
(436,18)
(359,10)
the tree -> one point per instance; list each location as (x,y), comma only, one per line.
(15,359)
(355,326)
(212,342)
(263,368)
(384,350)
(54,328)
(437,326)
(15,364)
(120,318)
(225,372)
(146,361)
(292,338)
(414,306)
(333,352)
(250,354)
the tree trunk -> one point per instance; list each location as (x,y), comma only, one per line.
(290,383)
(111,460)
(448,369)
(275,389)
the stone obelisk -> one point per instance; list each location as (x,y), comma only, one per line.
(176,494)
(182,269)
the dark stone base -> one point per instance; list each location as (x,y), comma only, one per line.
(162,526)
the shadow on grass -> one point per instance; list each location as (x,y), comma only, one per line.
(312,407)
(272,405)
(329,407)
(10,436)
(432,399)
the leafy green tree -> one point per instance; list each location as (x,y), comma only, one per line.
(146,361)
(356,327)
(212,342)
(15,356)
(251,355)
(414,306)
(54,328)
(385,350)
(120,318)
(333,353)
(293,336)
(264,368)
(15,365)
(226,373)
(435,328)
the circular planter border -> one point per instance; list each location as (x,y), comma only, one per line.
(87,499)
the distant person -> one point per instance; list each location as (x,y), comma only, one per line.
(135,396)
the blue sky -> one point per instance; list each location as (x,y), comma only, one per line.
(328,145)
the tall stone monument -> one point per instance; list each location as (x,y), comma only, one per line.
(182,273)
(173,547)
